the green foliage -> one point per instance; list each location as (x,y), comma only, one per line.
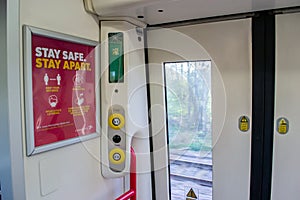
(189,105)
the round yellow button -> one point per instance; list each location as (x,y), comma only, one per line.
(116,121)
(117,156)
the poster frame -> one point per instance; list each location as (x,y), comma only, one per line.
(28,31)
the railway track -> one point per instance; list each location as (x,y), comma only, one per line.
(185,163)
(190,170)
(182,178)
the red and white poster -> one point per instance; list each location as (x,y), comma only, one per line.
(63,89)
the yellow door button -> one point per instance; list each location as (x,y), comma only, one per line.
(116,121)
(117,156)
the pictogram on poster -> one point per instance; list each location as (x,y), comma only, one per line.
(60,89)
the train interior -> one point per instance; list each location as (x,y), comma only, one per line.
(149,99)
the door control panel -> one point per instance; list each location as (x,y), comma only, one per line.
(116,136)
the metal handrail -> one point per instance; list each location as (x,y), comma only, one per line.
(131,193)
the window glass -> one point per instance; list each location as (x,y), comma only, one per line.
(189,120)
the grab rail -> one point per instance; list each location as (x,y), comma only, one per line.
(131,193)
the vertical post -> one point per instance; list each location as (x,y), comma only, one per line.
(133,173)
(263,34)
(131,194)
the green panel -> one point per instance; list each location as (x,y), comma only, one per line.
(116,57)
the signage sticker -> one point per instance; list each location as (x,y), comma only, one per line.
(282,125)
(61,79)
(244,123)
(116,57)
(191,194)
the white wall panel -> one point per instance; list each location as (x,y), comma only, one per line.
(72,172)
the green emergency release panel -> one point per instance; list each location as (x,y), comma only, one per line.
(116,57)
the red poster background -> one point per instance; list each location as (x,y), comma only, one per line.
(63,98)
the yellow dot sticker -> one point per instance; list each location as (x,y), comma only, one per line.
(116,156)
(116,121)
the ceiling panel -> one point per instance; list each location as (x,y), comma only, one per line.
(164,11)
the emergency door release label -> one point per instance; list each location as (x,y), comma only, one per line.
(63,85)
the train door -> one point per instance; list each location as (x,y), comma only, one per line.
(208,151)
(285,182)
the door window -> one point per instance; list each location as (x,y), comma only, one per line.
(189,120)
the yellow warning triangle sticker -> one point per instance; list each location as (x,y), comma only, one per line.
(244,119)
(282,122)
(191,194)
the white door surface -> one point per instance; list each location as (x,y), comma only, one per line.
(228,46)
(286,176)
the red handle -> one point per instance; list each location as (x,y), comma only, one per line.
(131,194)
